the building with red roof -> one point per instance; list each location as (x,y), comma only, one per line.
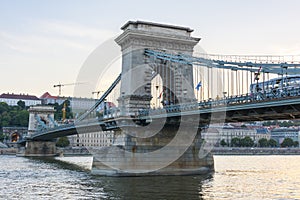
(47,98)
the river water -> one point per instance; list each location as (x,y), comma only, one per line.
(236,177)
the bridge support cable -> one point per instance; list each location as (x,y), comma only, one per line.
(99,101)
(52,121)
(233,68)
(242,64)
(41,122)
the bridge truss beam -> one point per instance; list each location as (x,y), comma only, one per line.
(275,68)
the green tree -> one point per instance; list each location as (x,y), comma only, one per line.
(62,142)
(235,142)
(296,144)
(69,113)
(5,119)
(59,110)
(2,137)
(21,104)
(296,122)
(287,142)
(263,142)
(22,118)
(4,116)
(19,118)
(286,124)
(267,123)
(272,143)
(223,143)
(247,142)
(3,107)
(13,115)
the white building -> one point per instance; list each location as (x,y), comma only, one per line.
(215,134)
(279,134)
(12,99)
(80,105)
(77,104)
(93,139)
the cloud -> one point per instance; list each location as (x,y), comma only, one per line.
(40,43)
(47,52)
(70,29)
(45,35)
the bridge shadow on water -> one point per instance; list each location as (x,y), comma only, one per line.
(59,164)
(140,187)
(152,187)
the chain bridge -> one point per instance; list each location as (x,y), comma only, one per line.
(165,89)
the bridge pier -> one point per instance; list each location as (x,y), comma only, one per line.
(189,163)
(38,149)
(156,155)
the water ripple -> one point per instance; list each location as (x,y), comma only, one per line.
(236,177)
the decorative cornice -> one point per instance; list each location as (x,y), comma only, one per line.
(146,39)
(148,34)
(136,23)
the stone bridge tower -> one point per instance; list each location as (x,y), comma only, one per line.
(165,146)
(40,117)
(138,70)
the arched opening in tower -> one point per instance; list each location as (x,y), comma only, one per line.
(15,137)
(156,92)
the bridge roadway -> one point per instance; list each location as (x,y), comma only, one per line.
(238,109)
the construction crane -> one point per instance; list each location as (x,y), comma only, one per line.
(67,84)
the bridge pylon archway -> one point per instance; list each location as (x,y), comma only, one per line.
(138,70)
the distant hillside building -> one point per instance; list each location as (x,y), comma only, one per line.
(93,139)
(279,134)
(47,98)
(80,105)
(214,134)
(77,104)
(12,99)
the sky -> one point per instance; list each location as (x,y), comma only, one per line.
(43,43)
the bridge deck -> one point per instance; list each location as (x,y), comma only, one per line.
(211,112)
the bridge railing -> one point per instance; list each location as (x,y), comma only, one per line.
(225,101)
(275,94)
(292,59)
